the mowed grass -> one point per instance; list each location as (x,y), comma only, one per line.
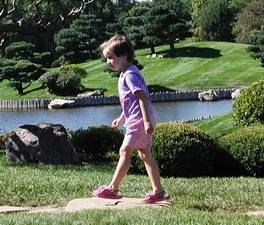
(217,126)
(193,65)
(201,200)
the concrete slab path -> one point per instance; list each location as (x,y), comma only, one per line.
(80,204)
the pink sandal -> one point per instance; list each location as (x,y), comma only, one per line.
(153,198)
(107,192)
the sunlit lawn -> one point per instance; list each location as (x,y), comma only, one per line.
(201,200)
(194,65)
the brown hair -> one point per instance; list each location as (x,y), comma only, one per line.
(119,45)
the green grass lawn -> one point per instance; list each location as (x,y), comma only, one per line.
(217,126)
(199,200)
(193,65)
(202,200)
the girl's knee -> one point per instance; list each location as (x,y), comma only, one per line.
(125,152)
(145,157)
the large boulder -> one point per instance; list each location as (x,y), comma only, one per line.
(61,103)
(42,143)
(208,96)
(235,94)
(90,94)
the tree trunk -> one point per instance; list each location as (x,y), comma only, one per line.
(172,46)
(152,49)
(19,88)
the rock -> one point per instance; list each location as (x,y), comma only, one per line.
(154,55)
(42,143)
(89,94)
(208,96)
(236,93)
(60,103)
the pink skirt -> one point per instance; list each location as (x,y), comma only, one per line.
(136,136)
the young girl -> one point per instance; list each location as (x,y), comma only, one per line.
(138,116)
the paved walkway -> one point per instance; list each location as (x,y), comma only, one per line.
(80,204)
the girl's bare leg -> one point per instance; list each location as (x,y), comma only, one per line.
(122,167)
(152,169)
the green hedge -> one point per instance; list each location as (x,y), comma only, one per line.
(181,150)
(97,144)
(248,108)
(245,150)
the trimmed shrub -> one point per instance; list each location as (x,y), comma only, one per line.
(48,80)
(75,69)
(181,150)
(68,83)
(20,50)
(97,144)
(20,72)
(246,148)
(65,81)
(248,107)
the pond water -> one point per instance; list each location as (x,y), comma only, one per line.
(75,118)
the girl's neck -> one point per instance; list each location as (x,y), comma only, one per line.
(126,66)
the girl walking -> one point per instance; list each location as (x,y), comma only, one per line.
(138,118)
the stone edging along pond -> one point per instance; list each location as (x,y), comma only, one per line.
(166,96)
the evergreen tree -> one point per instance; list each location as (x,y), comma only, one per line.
(90,32)
(19,73)
(250,18)
(80,41)
(134,24)
(215,21)
(257,44)
(165,22)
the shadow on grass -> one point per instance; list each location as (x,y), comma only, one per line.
(34,89)
(159,88)
(79,91)
(192,52)
(84,89)
(100,167)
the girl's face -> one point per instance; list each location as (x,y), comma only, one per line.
(114,62)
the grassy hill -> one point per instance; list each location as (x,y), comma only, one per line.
(217,126)
(193,65)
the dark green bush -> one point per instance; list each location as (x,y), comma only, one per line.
(75,69)
(257,44)
(97,144)
(68,83)
(246,148)
(20,50)
(65,81)
(248,108)
(43,58)
(181,150)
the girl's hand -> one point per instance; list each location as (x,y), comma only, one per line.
(115,123)
(148,128)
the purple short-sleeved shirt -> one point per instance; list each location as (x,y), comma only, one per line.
(129,82)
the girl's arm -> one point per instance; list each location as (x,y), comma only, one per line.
(120,120)
(144,106)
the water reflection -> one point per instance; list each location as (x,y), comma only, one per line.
(75,118)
